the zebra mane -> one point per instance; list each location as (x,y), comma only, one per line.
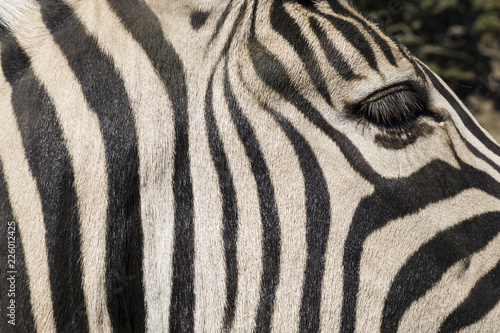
(13,12)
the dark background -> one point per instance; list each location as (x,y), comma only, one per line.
(458,39)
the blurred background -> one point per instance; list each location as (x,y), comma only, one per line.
(458,39)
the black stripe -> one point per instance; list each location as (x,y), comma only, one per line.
(11,245)
(14,61)
(268,210)
(335,58)
(355,37)
(146,29)
(105,93)
(436,181)
(339,9)
(466,119)
(317,228)
(287,27)
(411,59)
(50,165)
(253,20)
(426,267)
(478,154)
(481,299)
(235,26)
(221,20)
(432,183)
(226,185)
(284,24)
(229,207)
(272,72)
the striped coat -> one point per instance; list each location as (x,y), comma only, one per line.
(236,165)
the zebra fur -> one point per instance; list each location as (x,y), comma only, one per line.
(213,166)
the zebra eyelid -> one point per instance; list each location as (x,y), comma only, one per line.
(410,85)
(394,108)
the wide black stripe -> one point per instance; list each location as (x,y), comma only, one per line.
(355,37)
(287,27)
(317,228)
(229,207)
(50,165)
(335,58)
(268,210)
(105,93)
(11,249)
(339,9)
(434,182)
(426,267)
(146,29)
(481,299)
(466,118)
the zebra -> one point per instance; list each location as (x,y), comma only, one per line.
(236,166)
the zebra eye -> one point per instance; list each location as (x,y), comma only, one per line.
(392,109)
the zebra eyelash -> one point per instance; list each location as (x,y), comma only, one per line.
(392,109)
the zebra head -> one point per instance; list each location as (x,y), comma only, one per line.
(236,165)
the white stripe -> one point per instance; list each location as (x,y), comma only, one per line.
(27,209)
(155,134)
(288,183)
(249,238)
(210,288)
(81,132)
(345,187)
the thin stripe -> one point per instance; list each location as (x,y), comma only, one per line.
(411,59)
(464,116)
(182,302)
(287,27)
(23,316)
(318,225)
(268,210)
(99,82)
(334,56)
(229,207)
(226,183)
(355,37)
(221,21)
(338,8)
